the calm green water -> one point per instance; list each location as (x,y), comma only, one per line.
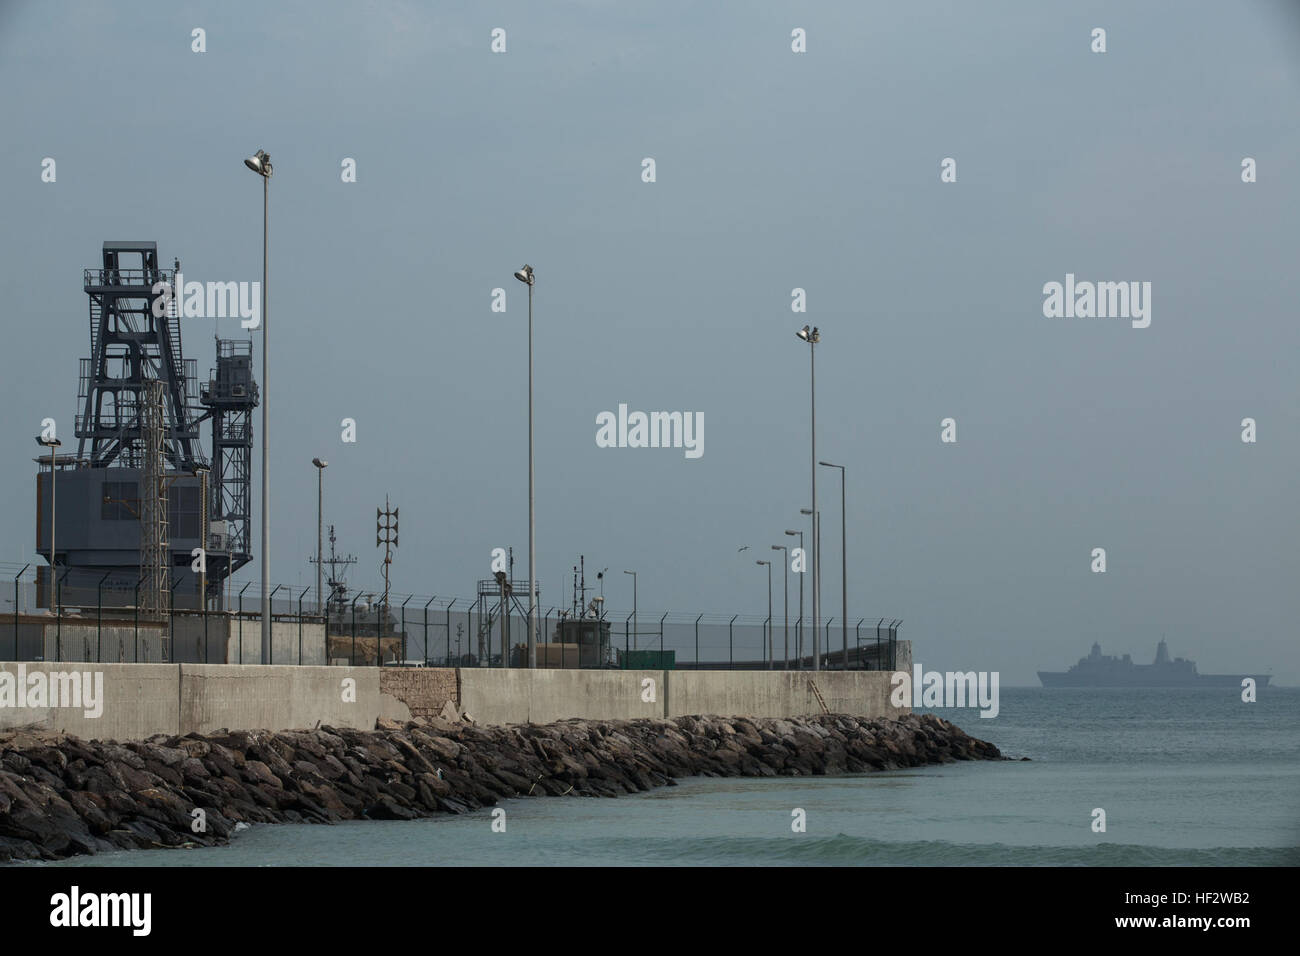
(1185,777)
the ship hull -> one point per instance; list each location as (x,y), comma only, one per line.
(1062,679)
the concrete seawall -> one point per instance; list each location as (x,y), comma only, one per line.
(191,638)
(140,700)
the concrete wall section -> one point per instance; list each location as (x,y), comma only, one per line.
(779,693)
(287,642)
(904,657)
(493,696)
(134,701)
(604,695)
(517,696)
(245,642)
(138,700)
(425,691)
(214,696)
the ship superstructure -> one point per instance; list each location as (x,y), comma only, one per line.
(1102,670)
(139,495)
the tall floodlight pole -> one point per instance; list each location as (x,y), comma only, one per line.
(812,337)
(260,163)
(633,573)
(769,611)
(799,630)
(817,530)
(51,444)
(526,276)
(844,565)
(320,464)
(785,561)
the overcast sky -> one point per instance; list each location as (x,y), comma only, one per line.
(774,171)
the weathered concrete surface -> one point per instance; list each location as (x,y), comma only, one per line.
(139,700)
(244,644)
(495,696)
(779,693)
(80,638)
(519,696)
(426,691)
(145,699)
(61,796)
(904,657)
(227,696)
(190,639)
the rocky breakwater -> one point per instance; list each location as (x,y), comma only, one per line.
(61,796)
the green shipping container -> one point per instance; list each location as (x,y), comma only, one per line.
(648,660)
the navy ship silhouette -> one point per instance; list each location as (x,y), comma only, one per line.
(1101,670)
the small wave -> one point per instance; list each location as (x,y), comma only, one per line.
(844,850)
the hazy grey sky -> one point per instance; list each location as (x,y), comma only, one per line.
(775,170)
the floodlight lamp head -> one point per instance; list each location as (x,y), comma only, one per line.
(260,163)
(804,333)
(319,462)
(525,275)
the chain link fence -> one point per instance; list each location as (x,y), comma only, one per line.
(432,631)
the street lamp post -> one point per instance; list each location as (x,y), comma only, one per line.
(799,635)
(844,565)
(633,573)
(260,163)
(785,562)
(526,276)
(816,519)
(51,444)
(321,464)
(769,611)
(812,337)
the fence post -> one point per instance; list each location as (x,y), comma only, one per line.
(857,640)
(697,641)
(661,638)
(300,597)
(99,617)
(270,609)
(16,577)
(241,621)
(136,657)
(408,597)
(58,619)
(352,658)
(428,658)
(731,644)
(449,607)
(546,635)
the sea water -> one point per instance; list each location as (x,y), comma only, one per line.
(1185,777)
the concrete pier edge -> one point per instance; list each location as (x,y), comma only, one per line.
(141,700)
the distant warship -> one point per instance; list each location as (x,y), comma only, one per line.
(1099,670)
